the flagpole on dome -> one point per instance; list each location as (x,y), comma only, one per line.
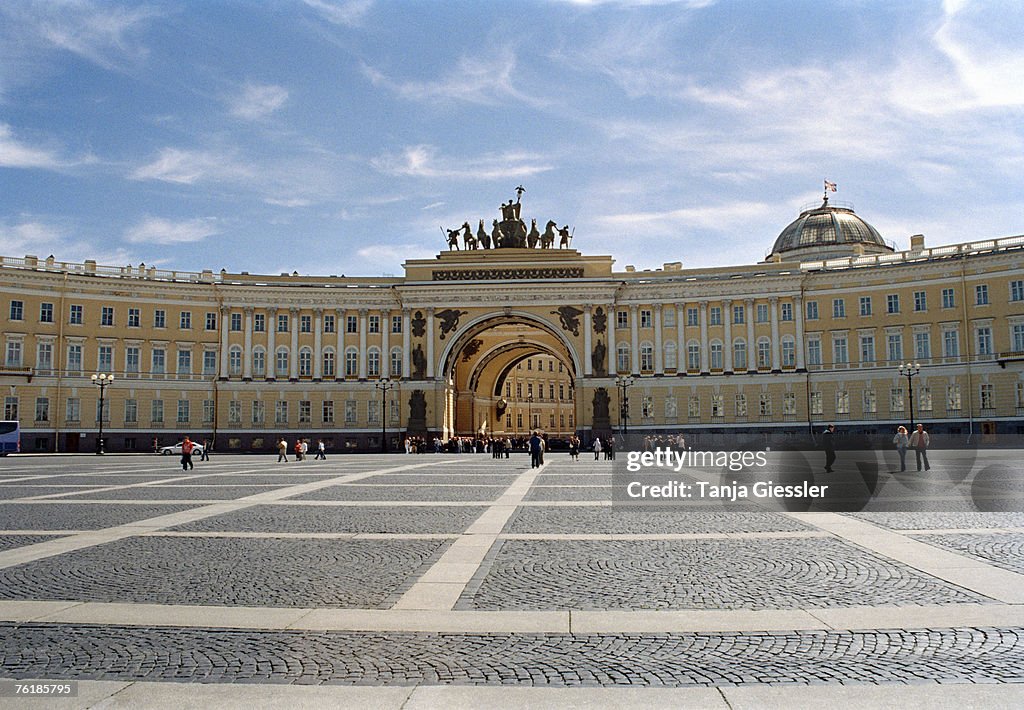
(829,186)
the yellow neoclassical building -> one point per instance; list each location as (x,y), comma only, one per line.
(755,354)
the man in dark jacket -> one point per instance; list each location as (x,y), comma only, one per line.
(829,445)
(536,450)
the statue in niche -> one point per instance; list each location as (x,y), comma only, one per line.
(419,363)
(600,320)
(419,324)
(601,400)
(482,237)
(597,359)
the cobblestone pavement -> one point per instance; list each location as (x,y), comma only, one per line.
(1005,550)
(437,570)
(698,574)
(218,655)
(227,572)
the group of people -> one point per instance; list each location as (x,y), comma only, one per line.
(301,450)
(607,446)
(919,441)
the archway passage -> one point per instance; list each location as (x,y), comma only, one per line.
(507,376)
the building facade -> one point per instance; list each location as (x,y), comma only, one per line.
(757,354)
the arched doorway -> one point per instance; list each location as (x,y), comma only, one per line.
(509,374)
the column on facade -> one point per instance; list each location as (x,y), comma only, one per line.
(318,343)
(247,362)
(385,346)
(727,345)
(270,362)
(613,347)
(293,360)
(681,354)
(587,339)
(776,360)
(798,306)
(406,344)
(362,343)
(339,357)
(634,340)
(224,316)
(659,360)
(704,353)
(751,345)
(430,343)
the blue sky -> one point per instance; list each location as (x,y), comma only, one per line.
(330,137)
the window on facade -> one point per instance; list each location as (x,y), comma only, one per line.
(351,362)
(715,315)
(984,340)
(305,362)
(669,317)
(328,411)
(281,412)
(211,320)
(17,310)
(867,348)
(741,405)
(75,315)
(73,409)
(209,362)
(922,346)
(1017,290)
(328,363)
(840,352)
(764,408)
(693,356)
(281,362)
(692,318)
(894,347)
(259,362)
(814,351)
(816,403)
(305,411)
(951,343)
(44,357)
(896,399)
(670,356)
(208,411)
(107,316)
(812,310)
(396,324)
(373,362)
(183,411)
(235,360)
(789,404)
(621,319)
(739,314)
(924,399)
(717,406)
(646,318)
(987,396)
(953,402)
(716,356)
(328,324)
(622,352)
(838,308)
(646,357)
(13,358)
(788,351)
(739,355)
(351,324)
(11,408)
(74,358)
(842,402)
(184,362)
(159,318)
(693,407)
(259,322)
(185,320)
(131,411)
(981,295)
(158,361)
(236,322)
(373,412)
(762,312)
(46,313)
(105,358)
(787,311)
(764,354)
(282,322)
(305,324)
(870,401)
(374,324)
(350,411)
(259,412)
(234,412)
(948,298)
(865,305)
(920,301)
(892,303)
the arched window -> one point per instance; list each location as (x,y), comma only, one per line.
(693,355)
(281,362)
(259,362)
(622,360)
(328,364)
(739,354)
(305,362)
(351,362)
(373,362)
(716,355)
(396,362)
(670,354)
(646,357)
(235,360)
(788,351)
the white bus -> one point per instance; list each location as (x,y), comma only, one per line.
(10,438)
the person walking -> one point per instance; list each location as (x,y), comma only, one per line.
(536,450)
(205,453)
(320,450)
(305,448)
(282,450)
(597,448)
(574,448)
(186,454)
(829,445)
(902,441)
(919,441)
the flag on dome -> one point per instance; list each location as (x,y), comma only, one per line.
(830,186)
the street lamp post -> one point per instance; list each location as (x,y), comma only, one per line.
(623,383)
(102,381)
(384,385)
(529,417)
(908,371)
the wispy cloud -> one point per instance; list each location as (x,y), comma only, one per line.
(485,78)
(424,161)
(155,230)
(16,154)
(718,218)
(350,12)
(190,166)
(32,236)
(287,202)
(256,101)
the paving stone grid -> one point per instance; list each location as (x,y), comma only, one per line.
(392,532)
